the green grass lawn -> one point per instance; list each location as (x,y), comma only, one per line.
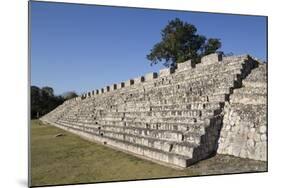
(70,159)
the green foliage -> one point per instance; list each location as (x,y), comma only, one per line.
(69,95)
(211,46)
(47,91)
(180,42)
(43,100)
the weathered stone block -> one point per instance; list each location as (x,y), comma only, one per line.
(263,137)
(129,82)
(234,59)
(78,98)
(107,89)
(262,129)
(120,85)
(166,72)
(211,58)
(139,80)
(113,87)
(150,76)
(187,65)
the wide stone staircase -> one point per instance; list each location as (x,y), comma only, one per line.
(173,118)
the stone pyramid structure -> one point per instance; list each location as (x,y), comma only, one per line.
(179,116)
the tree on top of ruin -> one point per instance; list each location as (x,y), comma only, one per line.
(181,42)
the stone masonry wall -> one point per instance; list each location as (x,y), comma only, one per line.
(174,117)
(244,131)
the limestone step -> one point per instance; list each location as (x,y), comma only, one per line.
(210,82)
(198,128)
(190,137)
(234,58)
(178,137)
(163,145)
(189,106)
(262,85)
(192,107)
(190,99)
(214,79)
(241,106)
(143,107)
(176,93)
(152,153)
(166,113)
(178,132)
(149,119)
(129,89)
(243,98)
(181,92)
(186,90)
(212,90)
(152,143)
(217,68)
(189,90)
(160,119)
(250,90)
(206,75)
(257,77)
(149,152)
(147,131)
(258,74)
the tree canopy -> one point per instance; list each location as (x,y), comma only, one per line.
(181,42)
(69,95)
(43,100)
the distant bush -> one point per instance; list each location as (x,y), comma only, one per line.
(43,100)
(69,95)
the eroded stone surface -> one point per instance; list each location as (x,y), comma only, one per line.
(248,108)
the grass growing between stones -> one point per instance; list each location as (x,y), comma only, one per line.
(69,159)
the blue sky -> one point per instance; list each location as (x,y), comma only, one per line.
(81,48)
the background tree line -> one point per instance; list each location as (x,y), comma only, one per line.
(43,100)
